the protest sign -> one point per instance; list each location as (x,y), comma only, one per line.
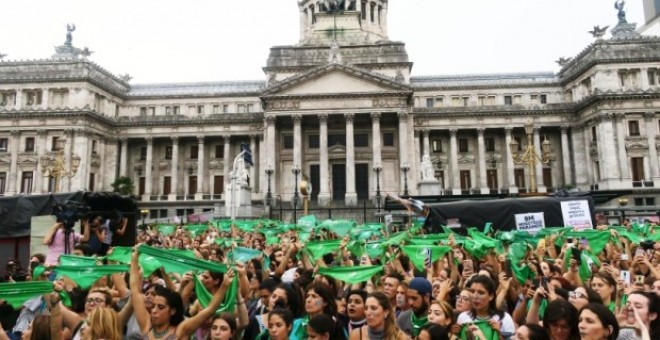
(576,214)
(530,222)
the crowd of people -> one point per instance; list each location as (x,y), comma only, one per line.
(264,279)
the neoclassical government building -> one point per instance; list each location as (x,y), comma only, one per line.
(338,104)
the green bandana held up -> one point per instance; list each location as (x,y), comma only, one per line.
(417,254)
(121,255)
(196,229)
(86,276)
(242,254)
(16,294)
(166,229)
(178,263)
(418,323)
(485,328)
(204,296)
(339,227)
(73,260)
(318,249)
(351,274)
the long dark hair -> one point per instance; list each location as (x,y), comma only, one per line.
(326,294)
(607,278)
(294,300)
(230,319)
(491,287)
(561,309)
(41,327)
(174,301)
(537,332)
(606,318)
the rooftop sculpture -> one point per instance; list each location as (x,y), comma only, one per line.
(598,32)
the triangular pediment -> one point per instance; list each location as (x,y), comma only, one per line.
(335,79)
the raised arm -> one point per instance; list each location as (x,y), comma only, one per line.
(139,309)
(122,226)
(48,238)
(191,324)
(85,223)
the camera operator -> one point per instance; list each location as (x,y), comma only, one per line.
(115,226)
(61,240)
(97,232)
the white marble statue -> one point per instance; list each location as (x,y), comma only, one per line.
(428,173)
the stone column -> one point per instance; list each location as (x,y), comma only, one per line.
(540,186)
(271,148)
(174,173)
(13,178)
(403,148)
(44,98)
(227,162)
(254,181)
(483,181)
(147,165)
(19,99)
(100,174)
(621,147)
(453,163)
(324,197)
(566,157)
(123,158)
(297,140)
(427,143)
(42,135)
(263,179)
(375,139)
(644,79)
(609,167)
(351,195)
(65,181)
(81,149)
(591,179)
(510,174)
(200,166)
(578,157)
(649,117)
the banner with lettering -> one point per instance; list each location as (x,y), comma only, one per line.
(530,222)
(577,214)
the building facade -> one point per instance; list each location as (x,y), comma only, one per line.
(338,104)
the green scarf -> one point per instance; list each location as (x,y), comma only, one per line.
(196,229)
(417,254)
(16,294)
(418,323)
(485,328)
(179,263)
(318,249)
(204,296)
(86,276)
(244,255)
(351,274)
(73,260)
(166,229)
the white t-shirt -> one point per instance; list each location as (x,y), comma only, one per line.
(507,328)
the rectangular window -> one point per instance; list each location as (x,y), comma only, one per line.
(439,101)
(176,110)
(143,153)
(220,151)
(594,136)
(429,103)
(287,142)
(194,151)
(26,182)
(491,176)
(466,180)
(225,108)
(53,143)
(519,141)
(481,100)
(143,111)
(436,145)
(490,144)
(508,100)
(651,75)
(633,128)
(94,144)
(463,145)
(167,185)
(361,140)
(363,10)
(168,152)
(218,185)
(3,180)
(519,176)
(517,99)
(29,144)
(200,109)
(313,141)
(192,185)
(152,111)
(466,101)
(547,177)
(240,108)
(544,99)
(388,139)
(216,108)
(168,111)
(639,201)
(637,168)
(4,144)
(250,108)
(650,201)
(336,140)
(92,181)
(456,101)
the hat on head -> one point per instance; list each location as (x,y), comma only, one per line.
(421,285)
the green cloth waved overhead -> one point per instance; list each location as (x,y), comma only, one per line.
(248,226)
(307,223)
(396,239)
(271,240)
(178,263)
(339,227)
(204,296)
(73,260)
(417,254)
(583,269)
(485,241)
(121,255)
(318,249)
(597,239)
(86,276)
(166,229)
(196,229)
(222,225)
(16,294)
(242,254)
(351,275)
(485,328)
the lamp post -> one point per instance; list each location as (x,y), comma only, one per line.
(405,167)
(530,158)
(623,202)
(269,194)
(53,166)
(377,169)
(296,171)
(144,213)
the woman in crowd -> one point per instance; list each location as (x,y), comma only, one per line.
(322,327)
(531,331)
(464,301)
(639,318)
(319,299)
(441,313)
(603,284)
(101,323)
(597,322)
(223,327)
(355,306)
(561,320)
(381,324)
(433,331)
(582,296)
(280,324)
(288,297)
(484,307)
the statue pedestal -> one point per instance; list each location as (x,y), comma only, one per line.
(429,187)
(242,200)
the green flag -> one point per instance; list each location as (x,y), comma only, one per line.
(485,328)
(166,229)
(318,249)
(121,255)
(597,239)
(204,297)
(307,223)
(351,274)
(248,226)
(339,227)
(180,263)
(196,229)
(16,294)
(270,240)
(242,254)
(396,239)
(222,225)
(72,260)
(86,276)
(417,254)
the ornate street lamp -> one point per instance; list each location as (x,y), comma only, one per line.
(405,167)
(377,169)
(269,194)
(529,157)
(53,166)
(144,213)
(296,171)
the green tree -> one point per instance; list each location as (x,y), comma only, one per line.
(123,185)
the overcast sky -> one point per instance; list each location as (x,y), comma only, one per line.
(215,40)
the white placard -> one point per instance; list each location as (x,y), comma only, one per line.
(530,222)
(576,214)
